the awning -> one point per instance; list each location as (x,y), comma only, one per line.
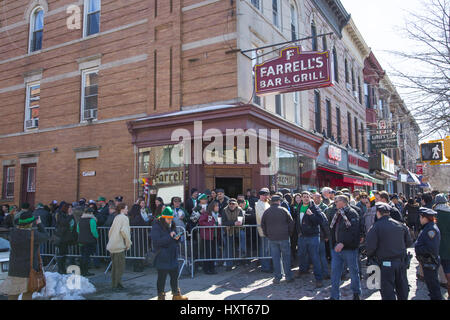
(356,181)
(337,171)
(424,185)
(412,179)
(367,176)
(388,176)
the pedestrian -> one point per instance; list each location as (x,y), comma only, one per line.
(317,198)
(427,200)
(111,214)
(427,251)
(277,225)
(165,241)
(140,219)
(361,204)
(345,240)
(368,218)
(412,218)
(295,208)
(191,202)
(232,217)
(87,239)
(44,214)
(326,195)
(118,200)
(213,196)
(159,207)
(387,242)
(396,202)
(395,214)
(179,213)
(308,224)
(443,222)
(25,207)
(16,283)
(223,199)
(65,234)
(247,234)
(119,242)
(208,239)
(263,245)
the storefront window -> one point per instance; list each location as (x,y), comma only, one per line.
(160,166)
(308,173)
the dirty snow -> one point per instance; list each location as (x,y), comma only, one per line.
(64,287)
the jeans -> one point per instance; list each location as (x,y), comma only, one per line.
(161,282)
(309,247)
(281,250)
(243,242)
(263,251)
(228,249)
(338,259)
(323,259)
(86,251)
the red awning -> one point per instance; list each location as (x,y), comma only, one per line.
(330,170)
(356,181)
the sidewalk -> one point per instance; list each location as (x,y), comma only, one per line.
(243,283)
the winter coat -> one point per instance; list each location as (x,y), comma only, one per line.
(136,218)
(260,208)
(230,217)
(277,223)
(179,217)
(165,246)
(65,226)
(19,258)
(324,228)
(310,224)
(412,215)
(207,220)
(369,219)
(443,223)
(249,215)
(109,220)
(119,235)
(349,236)
(87,229)
(190,205)
(46,217)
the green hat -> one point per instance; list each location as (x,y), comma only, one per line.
(101,199)
(167,213)
(202,197)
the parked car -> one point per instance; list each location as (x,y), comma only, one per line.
(4,258)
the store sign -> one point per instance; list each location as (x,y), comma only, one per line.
(293,71)
(384,141)
(169,178)
(334,154)
(88,173)
(358,162)
(286,180)
(387,164)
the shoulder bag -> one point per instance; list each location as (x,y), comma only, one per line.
(36,280)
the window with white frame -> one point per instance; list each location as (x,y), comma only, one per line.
(36,29)
(276,13)
(33,97)
(8,182)
(294,22)
(296,99)
(91,17)
(89,95)
(256,4)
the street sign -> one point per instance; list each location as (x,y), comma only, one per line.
(431,151)
(384,141)
(293,71)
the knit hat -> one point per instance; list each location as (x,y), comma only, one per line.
(202,197)
(25,205)
(101,199)
(440,198)
(167,213)
(26,218)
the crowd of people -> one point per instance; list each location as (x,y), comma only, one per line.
(332,231)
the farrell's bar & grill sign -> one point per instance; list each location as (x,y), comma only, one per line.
(293,71)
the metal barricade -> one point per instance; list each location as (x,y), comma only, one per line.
(222,243)
(141,245)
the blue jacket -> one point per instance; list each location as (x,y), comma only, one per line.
(310,226)
(428,240)
(167,258)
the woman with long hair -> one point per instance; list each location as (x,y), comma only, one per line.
(165,242)
(65,234)
(411,214)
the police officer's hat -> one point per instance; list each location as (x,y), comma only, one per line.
(383,207)
(119,198)
(427,212)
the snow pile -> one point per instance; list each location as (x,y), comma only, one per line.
(64,287)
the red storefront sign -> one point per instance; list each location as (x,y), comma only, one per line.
(334,155)
(293,71)
(419,169)
(358,162)
(357,182)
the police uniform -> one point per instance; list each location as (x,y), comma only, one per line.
(388,240)
(427,252)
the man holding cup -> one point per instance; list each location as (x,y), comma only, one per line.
(232,217)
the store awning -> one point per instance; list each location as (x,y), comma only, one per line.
(367,176)
(425,185)
(337,171)
(412,179)
(356,181)
(388,176)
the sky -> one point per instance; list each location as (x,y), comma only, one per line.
(380,24)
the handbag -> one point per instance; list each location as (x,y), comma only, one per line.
(36,280)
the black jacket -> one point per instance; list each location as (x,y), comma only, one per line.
(19,258)
(277,223)
(411,214)
(136,217)
(46,217)
(388,239)
(63,233)
(310,225)
(324,228)
(349,236)
(249,216)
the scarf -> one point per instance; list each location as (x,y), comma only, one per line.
(340,213)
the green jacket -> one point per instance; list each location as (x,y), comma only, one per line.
(443,224)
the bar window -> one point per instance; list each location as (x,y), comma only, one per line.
(8,182)
(89,95)
(33,97)
(91,17)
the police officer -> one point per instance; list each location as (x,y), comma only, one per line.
(427,251)
(387,241)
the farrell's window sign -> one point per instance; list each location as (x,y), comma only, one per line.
(334,155)
(293,71)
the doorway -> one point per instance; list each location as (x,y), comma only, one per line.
(231,186)
(28,184)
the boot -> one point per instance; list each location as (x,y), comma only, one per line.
(161,296)
(61,265)
(178,296)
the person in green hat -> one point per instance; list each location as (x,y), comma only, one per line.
(45,215)
(165,242)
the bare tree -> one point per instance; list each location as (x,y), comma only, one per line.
(427,84)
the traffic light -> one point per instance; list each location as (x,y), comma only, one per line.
(432,151)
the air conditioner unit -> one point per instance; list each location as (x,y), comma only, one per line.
(90,114)
(32,123)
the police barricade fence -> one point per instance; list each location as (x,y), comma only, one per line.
(218,244)
(141,245)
